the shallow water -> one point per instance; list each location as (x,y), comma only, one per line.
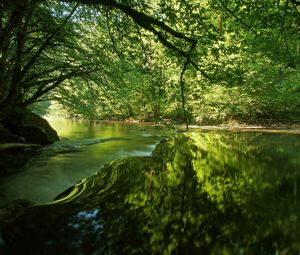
(61,165)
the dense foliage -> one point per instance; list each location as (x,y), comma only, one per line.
(205,61)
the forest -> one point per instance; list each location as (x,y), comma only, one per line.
(196,61)
(121,174)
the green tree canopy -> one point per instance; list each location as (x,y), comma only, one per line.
(106,59)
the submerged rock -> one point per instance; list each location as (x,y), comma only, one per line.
(195,195)
(71,146)
(15,155)
(10,212)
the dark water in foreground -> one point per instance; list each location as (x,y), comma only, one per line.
(202,193)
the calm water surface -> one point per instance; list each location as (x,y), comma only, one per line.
(61,165)
(205,192)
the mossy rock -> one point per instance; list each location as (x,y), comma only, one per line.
(30,126)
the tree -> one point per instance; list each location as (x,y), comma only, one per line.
(102,45)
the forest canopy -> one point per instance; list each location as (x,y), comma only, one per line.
(196,61)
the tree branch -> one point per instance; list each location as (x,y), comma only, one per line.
(182,87)
(40,91)
(165,42)
(236,17)
(46,43)
(120,56)
(147,22)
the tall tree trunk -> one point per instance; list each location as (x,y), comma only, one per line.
(11,81)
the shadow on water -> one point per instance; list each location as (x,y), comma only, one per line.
(201,193)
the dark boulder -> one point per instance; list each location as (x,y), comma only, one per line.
(15,155)
(30,126)
(7,137)
(21,134)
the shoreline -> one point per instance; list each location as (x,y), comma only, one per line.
(238,127)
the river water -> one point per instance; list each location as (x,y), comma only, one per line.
(211,191)
(61,165)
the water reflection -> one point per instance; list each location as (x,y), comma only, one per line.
(202,193)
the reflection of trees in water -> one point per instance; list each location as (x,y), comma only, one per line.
(208,193)
(215,194)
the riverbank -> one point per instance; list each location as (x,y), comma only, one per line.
(288,127)
(280,129)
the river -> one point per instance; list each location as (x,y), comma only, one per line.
(211,191)
(56,169)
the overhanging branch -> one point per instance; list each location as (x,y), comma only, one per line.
(150,24)
(46,43)
(236,17)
